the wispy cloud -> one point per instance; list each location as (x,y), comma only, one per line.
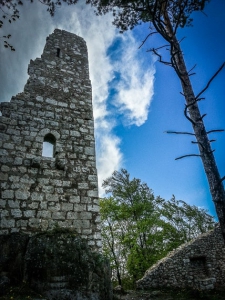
(135,88)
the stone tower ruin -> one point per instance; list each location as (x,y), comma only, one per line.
(48,169)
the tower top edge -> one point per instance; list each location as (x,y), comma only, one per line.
(64,33)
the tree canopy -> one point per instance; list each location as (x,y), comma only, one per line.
(128,14)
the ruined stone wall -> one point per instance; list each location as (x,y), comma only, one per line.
(39,192)
(199,264)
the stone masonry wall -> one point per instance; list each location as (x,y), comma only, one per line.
(38,192)
(199,265)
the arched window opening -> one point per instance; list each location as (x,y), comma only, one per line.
(48,149)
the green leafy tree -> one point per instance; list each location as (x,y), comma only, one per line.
(165,17)
(126,215)
(188,220)
(138,228)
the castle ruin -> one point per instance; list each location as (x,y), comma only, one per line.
(197,265)
(48,169)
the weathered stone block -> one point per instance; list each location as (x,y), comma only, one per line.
(22,223)
(34,222)
(83,186)
(74,199)
(75,133)
(53,207)
(37,196)
(83,224)
(58,215)
(8,146)
(7,194)
(93,193)
(94,208)
(3,176)
(85,215)
(13,204)
(7,223)
(89,151)
(2,203)
(67,206)
(29,213)
(18,161)
(79,207)
(16,213)
(44,214)
(71,215)
(22,195)
(39,98)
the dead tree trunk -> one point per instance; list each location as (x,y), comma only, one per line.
(193,114)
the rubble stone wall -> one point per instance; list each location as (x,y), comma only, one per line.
(199,264)
(40,192)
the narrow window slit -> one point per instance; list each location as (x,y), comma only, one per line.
(58,52)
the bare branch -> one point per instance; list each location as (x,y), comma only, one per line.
(215,130)
(180,132)
(208,84)
(211,151)
(186,115)
(182,40)
(194,102)
(199,99)
(161,47)
(222,179)
(188,155)
(200,119)
(179,16)
(193,142)
(150,34)
(160,57)
(192,68)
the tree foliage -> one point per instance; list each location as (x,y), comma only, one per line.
(138,228)
(128,14)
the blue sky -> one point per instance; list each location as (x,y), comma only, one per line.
(136,99)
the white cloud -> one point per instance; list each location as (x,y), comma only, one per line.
(135,89)
(109,157)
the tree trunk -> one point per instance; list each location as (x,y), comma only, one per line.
(206,153)
(114,256)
